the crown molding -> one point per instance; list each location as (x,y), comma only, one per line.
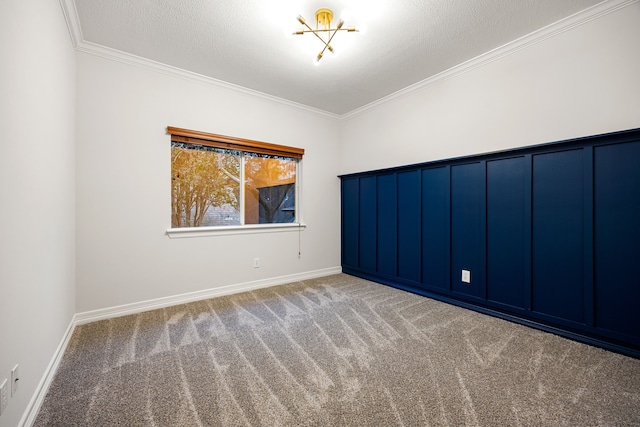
(148,64)
(73,22)
(75,31)
(552,30)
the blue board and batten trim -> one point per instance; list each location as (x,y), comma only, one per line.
(550,234)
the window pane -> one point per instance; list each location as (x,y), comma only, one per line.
(269,190)
(205,186)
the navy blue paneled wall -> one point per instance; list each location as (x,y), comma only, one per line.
(550,234)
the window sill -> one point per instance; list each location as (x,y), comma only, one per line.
(179,233)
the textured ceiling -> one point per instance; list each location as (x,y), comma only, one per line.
(249,43)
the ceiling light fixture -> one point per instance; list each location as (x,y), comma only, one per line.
(323,30)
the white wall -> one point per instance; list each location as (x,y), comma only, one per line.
(123,186)
(111,191)
(581,82)
(37,185)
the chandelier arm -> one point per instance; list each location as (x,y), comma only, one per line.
(328,30)
(315,33)
(326,45)
(322,52)
(324,17)
(307,25)
(323,30)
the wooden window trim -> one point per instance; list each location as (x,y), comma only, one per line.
(232,143)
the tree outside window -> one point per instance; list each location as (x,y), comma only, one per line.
(206,187)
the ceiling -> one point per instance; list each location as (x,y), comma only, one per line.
(250,43)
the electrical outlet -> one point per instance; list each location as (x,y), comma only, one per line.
(4,396)
(15,376)
(256,263)
(466,276)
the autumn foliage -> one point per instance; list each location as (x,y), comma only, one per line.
(204,179)
(199,180)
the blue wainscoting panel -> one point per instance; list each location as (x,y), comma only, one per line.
(367,223)
(506,229)
(467,245)
(550,234)
(387,225)
(350,218)
(617,237)
(435,227)
(409,256)
(558,235)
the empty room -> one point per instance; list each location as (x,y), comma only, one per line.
(319,213)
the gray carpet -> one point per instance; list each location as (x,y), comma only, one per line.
(334,351)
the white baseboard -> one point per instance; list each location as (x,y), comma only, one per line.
(126,309)
(34,405)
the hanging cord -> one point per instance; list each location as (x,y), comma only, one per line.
(299,239)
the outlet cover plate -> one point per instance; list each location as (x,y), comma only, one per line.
(466,276)
(15,376)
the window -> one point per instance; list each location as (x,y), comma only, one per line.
(219,181)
